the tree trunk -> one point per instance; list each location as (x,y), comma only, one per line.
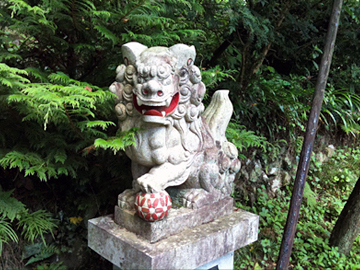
(347,227)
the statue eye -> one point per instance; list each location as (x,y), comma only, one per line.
(163,72)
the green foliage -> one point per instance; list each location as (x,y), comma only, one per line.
(6,233)
(213,76)
(32,225)
(343,108)
(35,224)
(57,122)
(39,252)
(279,105)
(12,77)
(68,112)
(10,207)
(309,196)
(324,202)
(244,139)
(51,266)
(338,175)
(83,38)
(120,142)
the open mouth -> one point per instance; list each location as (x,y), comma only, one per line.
(161,111)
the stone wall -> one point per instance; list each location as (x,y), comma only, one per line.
(273,173)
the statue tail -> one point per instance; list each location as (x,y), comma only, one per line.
(218,114)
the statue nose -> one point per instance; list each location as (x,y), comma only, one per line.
(151,88)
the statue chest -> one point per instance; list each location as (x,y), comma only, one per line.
(156,146)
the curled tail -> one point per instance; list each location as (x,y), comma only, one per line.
(218,114)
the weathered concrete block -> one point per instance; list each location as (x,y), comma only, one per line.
(186,250)
(178,219)
(223,263)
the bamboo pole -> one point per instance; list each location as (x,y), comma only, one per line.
(304,162)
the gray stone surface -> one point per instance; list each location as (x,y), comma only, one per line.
(186,250)
(225,262)
(177,221)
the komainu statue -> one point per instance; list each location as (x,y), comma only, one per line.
(178,144)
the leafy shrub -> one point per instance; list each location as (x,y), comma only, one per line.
(342,107)
(51,129)
(244,139)
(278,106)
(311,249)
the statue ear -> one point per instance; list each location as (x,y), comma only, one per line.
(185,54)
(131,51)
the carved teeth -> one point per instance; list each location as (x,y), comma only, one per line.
(143,111)
(163,113)
(139,101)
(168,101)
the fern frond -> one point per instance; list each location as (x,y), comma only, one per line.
(6,233)
(9,206)
(8,56)
(36,224)
(107,34)
(102,124)
(242,138)
(117,143)
(46,252)
(31,163)
(11,77)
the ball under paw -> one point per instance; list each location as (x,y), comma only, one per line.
(153,206)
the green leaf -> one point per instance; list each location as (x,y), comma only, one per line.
(100,123)
(9,206)
(117,143)
(6,233)
(36,224)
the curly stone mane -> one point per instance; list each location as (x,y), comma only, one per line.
(191,92)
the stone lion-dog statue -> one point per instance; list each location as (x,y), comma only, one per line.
(178,143)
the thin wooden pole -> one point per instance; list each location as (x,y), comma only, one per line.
(304,162)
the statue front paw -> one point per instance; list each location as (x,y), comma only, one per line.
(126,199)
(149,184)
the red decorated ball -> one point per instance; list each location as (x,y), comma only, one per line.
(153,206)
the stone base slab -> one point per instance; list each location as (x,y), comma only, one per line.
(186,250)
(178,219)
(223,263)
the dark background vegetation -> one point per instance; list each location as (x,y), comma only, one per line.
(60,155)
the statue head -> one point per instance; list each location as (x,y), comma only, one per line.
(161,83)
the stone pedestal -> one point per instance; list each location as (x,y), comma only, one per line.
(178,220)
(190,248)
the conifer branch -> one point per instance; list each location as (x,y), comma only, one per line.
(135,7)
(71,122)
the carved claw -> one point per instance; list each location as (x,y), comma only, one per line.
(149,184)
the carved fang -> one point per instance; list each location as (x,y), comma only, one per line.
(163,113)
(139,101)
(168,101)
(143,111)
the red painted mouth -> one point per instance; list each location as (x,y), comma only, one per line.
(157,110)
